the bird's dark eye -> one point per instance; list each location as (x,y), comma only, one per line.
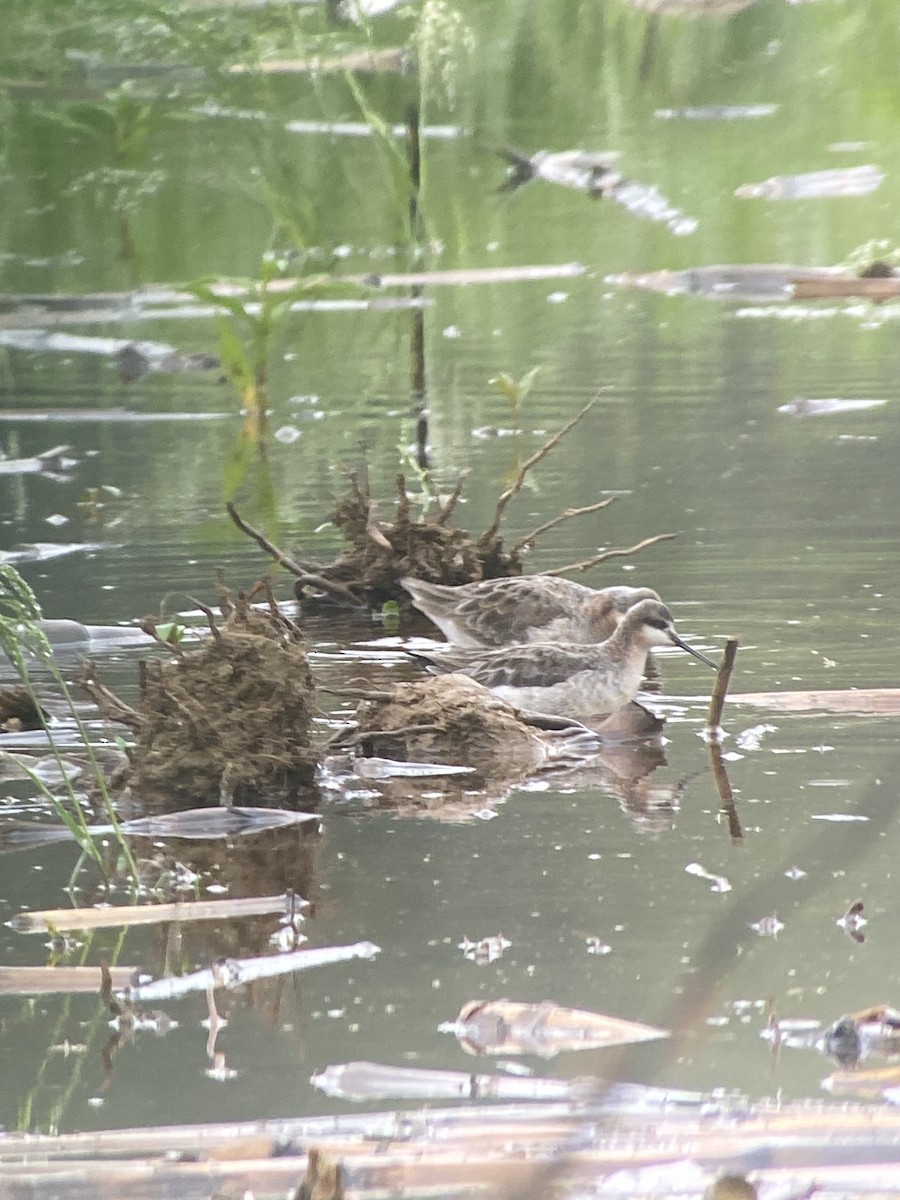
(658,623)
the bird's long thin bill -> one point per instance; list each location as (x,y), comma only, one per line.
(690,649)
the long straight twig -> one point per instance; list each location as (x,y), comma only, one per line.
(587,563)
(148,914)
(563,516)
(491,532)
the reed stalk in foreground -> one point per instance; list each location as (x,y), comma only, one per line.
(22,638)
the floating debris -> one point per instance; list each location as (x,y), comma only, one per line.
(53,464)
(802,407)
(594,945)
(390,60)
(152,914)
(133,359)
(692,8)
(838,818)
(130,1021)
(719,882)
(767,926)
(744,282)
(834,182)
(852,922)
(389,768)
(97,416)
(46,551)
(643,200)
(751,739)
(192,824)
(584,170)
(852,700)
(853,1039)
(48,981)
(545,1029)
(233,973)
(373,1081)
(485,951)
(592,173)
(718,112)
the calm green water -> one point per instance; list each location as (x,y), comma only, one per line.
(787,528)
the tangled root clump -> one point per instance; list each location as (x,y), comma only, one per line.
(378,555)
(229,722)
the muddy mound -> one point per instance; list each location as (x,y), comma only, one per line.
(454,720)
(229,722)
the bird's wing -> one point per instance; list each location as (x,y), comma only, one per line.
(537,665)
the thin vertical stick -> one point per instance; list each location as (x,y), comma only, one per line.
(714,738)
(717,699)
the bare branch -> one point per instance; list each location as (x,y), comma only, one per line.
(587,563)
(309,578)
(209,614)
(447,511)
(491,532)
(111,707)
(563,516)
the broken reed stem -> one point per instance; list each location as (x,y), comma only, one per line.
(720,688)
(491,532)
(587,563)
(563,516)
(303,574)
(843,288)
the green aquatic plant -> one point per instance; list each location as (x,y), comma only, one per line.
(249,313)
(515,390)
(22,640)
